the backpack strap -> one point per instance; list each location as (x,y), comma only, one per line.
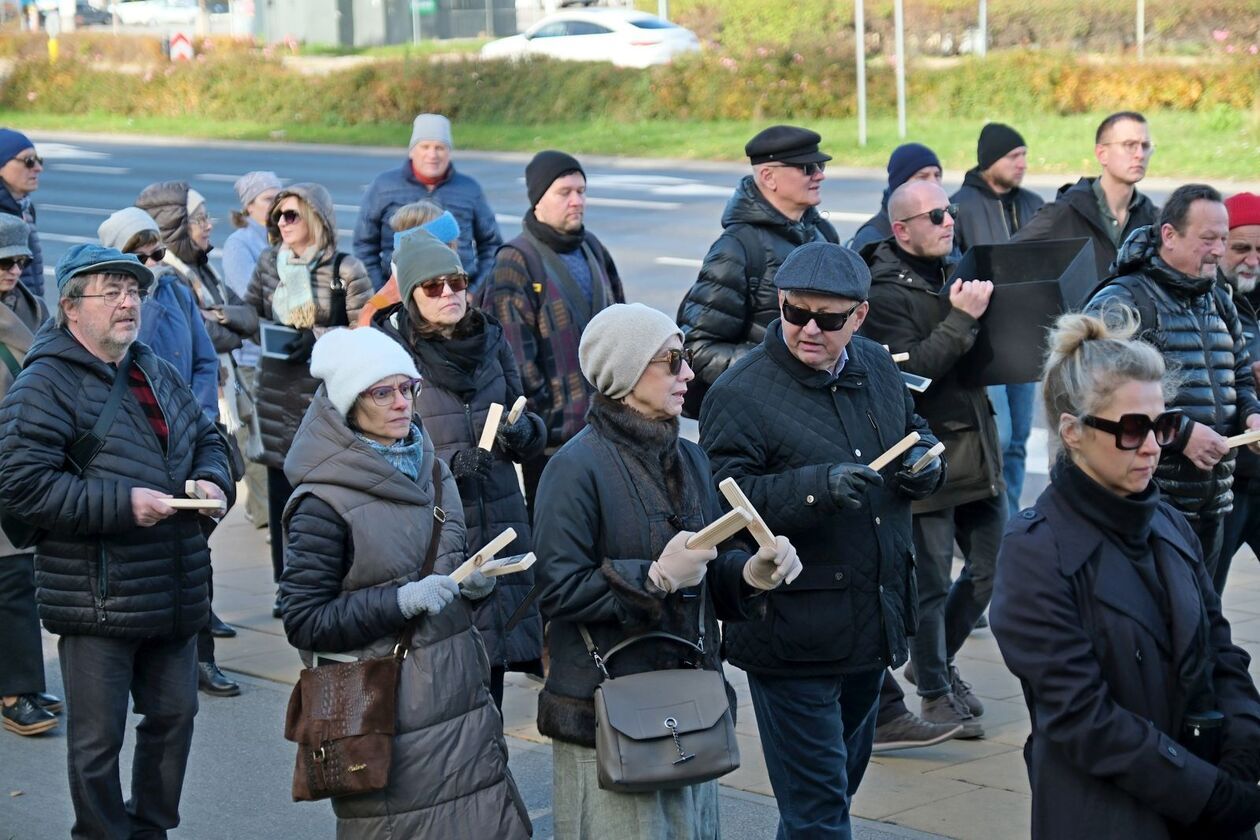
(439,519)
(89,445)
(10,361)
(754,255)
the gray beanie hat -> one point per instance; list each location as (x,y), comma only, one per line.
(253,184)
(618,344)
(15,237)
(430,127)
(118,229)
(420,256)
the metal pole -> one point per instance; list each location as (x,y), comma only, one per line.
(859,37)
(415,25)
(899,25)
(983,25)
(1141,29)
(489,18)
(662,9)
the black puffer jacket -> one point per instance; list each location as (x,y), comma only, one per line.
(777,426)
(97,572)
(1194,324)
(603,516)
(906,314)
(982,219)
(726,312)
(454,403)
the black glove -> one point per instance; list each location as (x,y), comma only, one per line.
(471,463)
(848,483)
(1233,807)
(1242,763)
(926,481)
(516,437)
(299,347)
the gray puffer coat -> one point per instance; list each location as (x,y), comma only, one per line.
(356,530)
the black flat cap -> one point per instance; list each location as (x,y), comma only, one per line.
(785,144)
(823,268)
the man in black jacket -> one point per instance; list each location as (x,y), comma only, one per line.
(992,207)
(1108,208)
(773,211)
(908,162)
(1167,276)
(121,575)
(795,422)
(908,273)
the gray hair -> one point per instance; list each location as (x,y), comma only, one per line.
(74,289)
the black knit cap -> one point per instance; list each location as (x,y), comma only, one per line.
(544,169)
(785,144)
(996,142)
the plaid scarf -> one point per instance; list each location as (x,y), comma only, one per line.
(144,395)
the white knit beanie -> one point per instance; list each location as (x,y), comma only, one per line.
(352,360)
(117,230)
(618,344)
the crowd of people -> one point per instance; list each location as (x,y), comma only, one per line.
(345,393)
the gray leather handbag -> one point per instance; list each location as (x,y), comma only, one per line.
(659,730)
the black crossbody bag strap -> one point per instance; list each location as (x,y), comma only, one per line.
(89,445)
(602,661)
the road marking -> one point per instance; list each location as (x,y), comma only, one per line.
(505,219)
(72,208)
(685,262)
(693,190)
(217,176)
(88,168)
(67,238)
(845,216)
(632,203)
(346,208)
(53,151)
(1037,460)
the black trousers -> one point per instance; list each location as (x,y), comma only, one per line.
(892,700)
(205,642)
(22,671)
(278,492)
(99,674)
(1242,527)
(531,472)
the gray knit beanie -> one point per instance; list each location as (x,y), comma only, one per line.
(117,230)
(431,127)
(618,344)
(420,256)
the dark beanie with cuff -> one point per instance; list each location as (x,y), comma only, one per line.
(544,169)
(907,159)
(996,142)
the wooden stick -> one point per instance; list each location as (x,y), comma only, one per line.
(1242,440)
(491,428)
(900,358)
(195,504)
(518,408)
(895,452)
(192,491)
(502,567)
(928,457)
(485,555)
(757,527)
(728,525)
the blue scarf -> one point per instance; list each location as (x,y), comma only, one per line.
(404,455)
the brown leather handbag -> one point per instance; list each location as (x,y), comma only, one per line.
(342,714)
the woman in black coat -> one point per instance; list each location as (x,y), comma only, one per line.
(467,365)
(1145,721)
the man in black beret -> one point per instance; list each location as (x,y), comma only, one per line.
(773,210)
(795,422)
(555,266)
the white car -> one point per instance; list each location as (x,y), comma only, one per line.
(625,37)
(156,12)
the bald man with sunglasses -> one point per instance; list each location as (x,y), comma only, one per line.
(909,271)
(795,422)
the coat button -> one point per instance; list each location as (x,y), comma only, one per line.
(839,575)
(809,500)
(877,521)
(1028,514)
(857,453)
(833,389)
(881,587)
(1172,751)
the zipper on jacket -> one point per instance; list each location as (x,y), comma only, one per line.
(102,582)
(875,426)
(481,513)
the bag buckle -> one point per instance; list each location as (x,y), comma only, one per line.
(319,756)
(439,514)
(672,724)
(599,663)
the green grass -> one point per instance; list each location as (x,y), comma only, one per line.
(1188,145)
(424,48)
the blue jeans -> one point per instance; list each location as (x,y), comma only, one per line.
(1013,407)
(816,735)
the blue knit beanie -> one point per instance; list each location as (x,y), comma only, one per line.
(12,144)
(908,159)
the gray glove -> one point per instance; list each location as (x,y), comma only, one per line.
(430,595)
(848,484)
(476,586)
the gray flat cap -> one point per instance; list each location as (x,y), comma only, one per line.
(823,268)
(15,237)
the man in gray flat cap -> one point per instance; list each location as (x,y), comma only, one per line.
(795,422)
(773,210)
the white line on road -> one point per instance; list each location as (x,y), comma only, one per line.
(505,219)
(67,238)
(73,208)
(88,168)
(845,216)
(632,203)
(217,176)
(347,208)
(685,262)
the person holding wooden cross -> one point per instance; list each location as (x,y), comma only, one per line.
(801,423)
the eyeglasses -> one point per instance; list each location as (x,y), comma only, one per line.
(674,358)
(30,162)
(384,395)
(936,215)
(8,263)
(434,286)
(156,255)
(200,219)
(287,217)
(827,321)
(1132,147)
(114,297)
(1131,429)
(810,169)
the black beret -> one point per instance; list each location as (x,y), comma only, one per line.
(785,144)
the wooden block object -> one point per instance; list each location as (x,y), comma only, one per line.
(724,527)
(901,358)
(195,504)
(1244,439)
(895,451)
(491,428)
(928,457)
(518,408)
(192,491)
(509,565)
(485,555)
(757,527)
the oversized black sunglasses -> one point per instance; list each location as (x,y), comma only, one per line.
(156,255)
(675,358)
(827,321)
(810,169)
(433,286)
(289,217)
(31,162)
(1131,429)
(936,215)
(384,395)
(7,263)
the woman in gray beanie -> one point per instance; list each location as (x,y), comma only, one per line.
(616,506)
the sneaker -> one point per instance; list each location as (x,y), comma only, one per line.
(949,709)
(909,730)
(962,690)
(26,717)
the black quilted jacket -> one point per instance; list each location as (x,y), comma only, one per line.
(97,572)
(777,426)
(1195,324)
(726,312)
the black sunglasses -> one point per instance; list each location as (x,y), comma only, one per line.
(289,217)
(30,162)
(156,255)
(1131,429)
(826,321)
(675,358)
(936,215)
(433,286)
(7,263)
(810,169)
(384,395)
